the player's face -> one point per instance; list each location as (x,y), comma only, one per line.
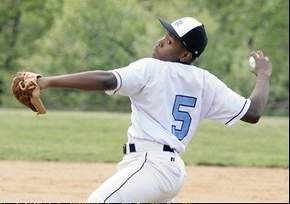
(168,48)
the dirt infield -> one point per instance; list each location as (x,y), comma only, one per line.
(73,182)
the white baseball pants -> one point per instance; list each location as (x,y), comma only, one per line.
(154,176)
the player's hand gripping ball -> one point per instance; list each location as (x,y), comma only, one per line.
(260,64)
(25,88)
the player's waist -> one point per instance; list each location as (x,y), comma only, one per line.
(145,147)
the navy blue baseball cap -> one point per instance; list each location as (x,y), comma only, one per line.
(190,32)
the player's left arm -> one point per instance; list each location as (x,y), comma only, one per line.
(90,80)
(260,93)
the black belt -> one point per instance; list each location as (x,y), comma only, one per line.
(132,148)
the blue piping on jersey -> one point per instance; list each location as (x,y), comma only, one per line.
(120,82)
(238,113)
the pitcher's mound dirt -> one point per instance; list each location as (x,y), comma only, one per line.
(73,182)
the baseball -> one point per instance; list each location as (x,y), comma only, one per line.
(252,63)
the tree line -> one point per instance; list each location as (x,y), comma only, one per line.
(65,36)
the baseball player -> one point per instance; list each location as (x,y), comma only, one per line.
(169,97)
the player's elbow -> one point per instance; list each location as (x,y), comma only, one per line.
(253,114)
(254,119)
(251,117)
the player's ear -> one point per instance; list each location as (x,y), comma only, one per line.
(186,57)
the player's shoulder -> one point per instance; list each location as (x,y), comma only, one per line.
(150,66)
(169,66)
(160,63)
(147,61)
(187,69)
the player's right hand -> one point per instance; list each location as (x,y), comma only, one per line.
(263,63)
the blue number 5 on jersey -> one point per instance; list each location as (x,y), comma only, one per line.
(182,116)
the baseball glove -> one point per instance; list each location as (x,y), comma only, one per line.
(25,88)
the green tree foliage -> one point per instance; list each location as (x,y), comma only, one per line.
(21,24)
(56,37)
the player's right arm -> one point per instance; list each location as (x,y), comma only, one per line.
(260,93)
(90,80)
(131,78)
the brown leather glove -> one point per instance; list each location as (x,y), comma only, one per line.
(25,88)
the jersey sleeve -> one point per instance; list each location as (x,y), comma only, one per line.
(132,78)
(225,106)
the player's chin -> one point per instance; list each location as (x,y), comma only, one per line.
(155,55)
(160,56)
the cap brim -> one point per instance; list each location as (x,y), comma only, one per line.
(168,27)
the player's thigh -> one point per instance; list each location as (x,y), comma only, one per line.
(131,185)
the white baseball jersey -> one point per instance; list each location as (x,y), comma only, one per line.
(169,99)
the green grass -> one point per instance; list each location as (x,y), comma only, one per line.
(98,136)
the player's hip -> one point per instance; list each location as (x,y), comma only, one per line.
(156,153)
(167,167)
(157,159)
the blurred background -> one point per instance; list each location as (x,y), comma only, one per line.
(65,36)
